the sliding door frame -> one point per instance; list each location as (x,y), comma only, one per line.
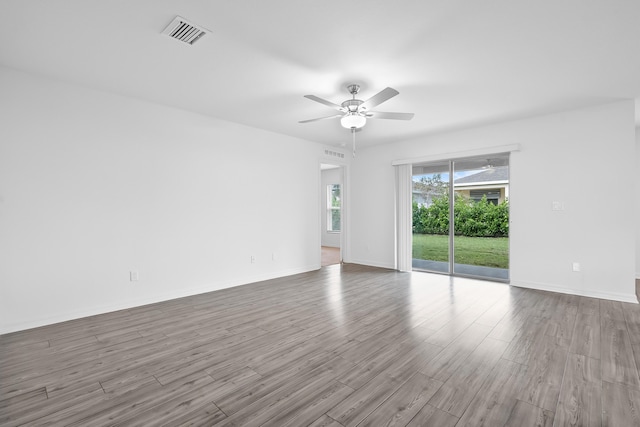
(404,226)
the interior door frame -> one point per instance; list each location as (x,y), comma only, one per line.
(344,204)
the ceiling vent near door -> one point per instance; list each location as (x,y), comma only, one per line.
(184,31)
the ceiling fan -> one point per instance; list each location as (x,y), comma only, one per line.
(355,112)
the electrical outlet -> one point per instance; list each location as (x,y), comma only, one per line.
(576,266)
(253,259)
(134,276)
(274,256)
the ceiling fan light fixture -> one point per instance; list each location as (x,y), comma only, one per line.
(353,121)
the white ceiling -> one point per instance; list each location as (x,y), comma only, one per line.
(455,63)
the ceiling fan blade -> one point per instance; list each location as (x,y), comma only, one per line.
(379,98)
(321,118)
(393,116)
(325,102)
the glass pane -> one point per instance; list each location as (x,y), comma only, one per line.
(335,195)
(333,207)
(335,220)
(481,217)
(430,209)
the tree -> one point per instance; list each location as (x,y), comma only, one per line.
(430,187)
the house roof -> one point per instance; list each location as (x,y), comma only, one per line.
(498,173)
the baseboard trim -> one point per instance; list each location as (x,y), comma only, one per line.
(372,264)
(125,305)
(631,298)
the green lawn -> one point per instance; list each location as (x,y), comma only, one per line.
(484,251)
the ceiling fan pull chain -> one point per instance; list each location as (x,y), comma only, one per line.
(353,132)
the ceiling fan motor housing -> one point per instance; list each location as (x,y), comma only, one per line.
(351,105)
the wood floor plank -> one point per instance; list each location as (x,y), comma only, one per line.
(461,387)
(340,346)
(511,325)
(561,325)
(300,410)
(496,398)
(374,365)
(179,407)
(61,391)
(580,399)
(618,363)
(413,361)
(121,385)
(611,310)
(19,395)
(136,402)
(620,405)
(632,317)
(589,306)
(296,351)
(203,416)
(586,336)
(53,411)
(525,414)
(493,315)
(325,421)
(232,381)
(41,373)
(255,394)
(23,401)
(453,356)
(543,376)
(355,408)
(404,404)
(636,355)
(526,341)
(430,416)
(300,399)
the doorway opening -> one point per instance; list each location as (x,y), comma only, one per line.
(460,217)
(331,205)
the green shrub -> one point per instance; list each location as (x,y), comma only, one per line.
(472,219)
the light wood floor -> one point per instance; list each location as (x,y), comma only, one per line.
(342,346)
(329,255)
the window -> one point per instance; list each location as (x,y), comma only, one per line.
(333,208)
(493,196)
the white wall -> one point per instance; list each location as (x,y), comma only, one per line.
(94,185)
(584,158)
(328,177)
(637,183)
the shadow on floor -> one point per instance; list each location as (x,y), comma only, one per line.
(467,270)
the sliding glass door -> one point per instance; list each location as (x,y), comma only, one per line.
(461,217)
(430,213)
(481,218)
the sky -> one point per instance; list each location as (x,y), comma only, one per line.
(445,175)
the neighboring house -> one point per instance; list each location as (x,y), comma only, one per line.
(492,183)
